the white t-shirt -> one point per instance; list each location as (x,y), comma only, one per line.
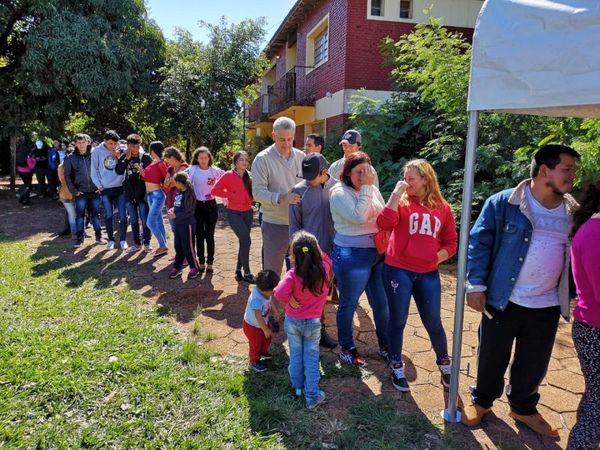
(203,181)
(538,280)
(257,301)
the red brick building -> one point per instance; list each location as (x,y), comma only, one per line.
(325,50)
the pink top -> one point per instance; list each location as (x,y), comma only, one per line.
(585,263)
(311,306)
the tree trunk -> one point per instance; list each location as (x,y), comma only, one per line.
(13,162)
(187,149)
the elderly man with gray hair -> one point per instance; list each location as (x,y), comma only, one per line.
(275,171)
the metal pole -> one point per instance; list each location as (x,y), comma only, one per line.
(451,414)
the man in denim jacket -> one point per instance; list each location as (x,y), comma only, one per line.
(518,277)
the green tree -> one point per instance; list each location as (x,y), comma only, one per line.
(203,85)
(59,56)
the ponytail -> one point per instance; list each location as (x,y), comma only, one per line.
(309,262)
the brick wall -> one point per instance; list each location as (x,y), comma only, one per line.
(330,75)
(335,127)
(299,137)
(364,63)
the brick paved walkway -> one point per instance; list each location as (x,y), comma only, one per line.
(214,306)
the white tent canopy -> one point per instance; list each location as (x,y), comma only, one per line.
(537,57)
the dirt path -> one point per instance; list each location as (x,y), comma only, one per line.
(213,307)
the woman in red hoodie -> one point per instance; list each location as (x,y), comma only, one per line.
(235,185)
(423,235)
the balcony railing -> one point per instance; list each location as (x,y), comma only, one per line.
(281,95)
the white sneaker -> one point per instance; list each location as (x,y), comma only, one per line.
(132,248)
(147,248)
(124,245)
(110,245)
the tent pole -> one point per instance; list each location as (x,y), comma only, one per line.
(451,414)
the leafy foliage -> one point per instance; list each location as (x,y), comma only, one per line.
(202,84)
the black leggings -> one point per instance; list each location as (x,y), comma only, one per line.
(206,214)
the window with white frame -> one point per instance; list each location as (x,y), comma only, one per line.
(317,44)
(377,7)
(406,9)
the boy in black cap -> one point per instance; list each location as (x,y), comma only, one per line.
(312,213)
(351,143)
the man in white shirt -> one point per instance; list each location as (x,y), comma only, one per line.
(275,171)
(351,143)
(518,277)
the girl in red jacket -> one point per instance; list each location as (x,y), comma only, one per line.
(423,235)
(235,185)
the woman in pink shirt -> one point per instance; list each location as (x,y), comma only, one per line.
(303,291)
(585,264)
(235,185)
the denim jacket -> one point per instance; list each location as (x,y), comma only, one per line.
(499,242)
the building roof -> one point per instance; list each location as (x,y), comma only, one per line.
(288,28)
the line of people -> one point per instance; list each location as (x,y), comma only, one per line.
(335,223)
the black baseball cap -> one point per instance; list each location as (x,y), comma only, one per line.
(351,137)
(312,165)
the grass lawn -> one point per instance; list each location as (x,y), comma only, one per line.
(104,368)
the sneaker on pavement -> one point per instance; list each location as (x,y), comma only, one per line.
(174,273)
(445,367)
(101,240)
(133,248)
(473,413)
(78,243)
(160,251)
(266,355)
(194,273)
(258,367)
(351,356)
(320,399)
(536,422)
(248,278)
(148,248)
(123,245)
(110,245)
(398,377)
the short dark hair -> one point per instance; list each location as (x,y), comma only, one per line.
(157,147)
(202,150)
(317,139)
(134,139)
(352,161)
(111,135)
(266,280)
(549,156)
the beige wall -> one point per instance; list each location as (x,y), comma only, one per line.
(455,13)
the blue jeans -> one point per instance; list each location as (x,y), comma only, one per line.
(358,270)
(136,211)
(426,289)
(71,215)
(110,198)
(156,201)
(90,201)
(303,338)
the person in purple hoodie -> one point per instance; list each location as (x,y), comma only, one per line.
(585,264)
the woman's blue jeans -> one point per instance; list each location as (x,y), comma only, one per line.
(358,270)
(156,201)
(303,338)
(71,215)
(91,201)
(426,289)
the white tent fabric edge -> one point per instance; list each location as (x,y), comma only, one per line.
(537,57)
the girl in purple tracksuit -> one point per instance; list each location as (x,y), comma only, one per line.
(182,214)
